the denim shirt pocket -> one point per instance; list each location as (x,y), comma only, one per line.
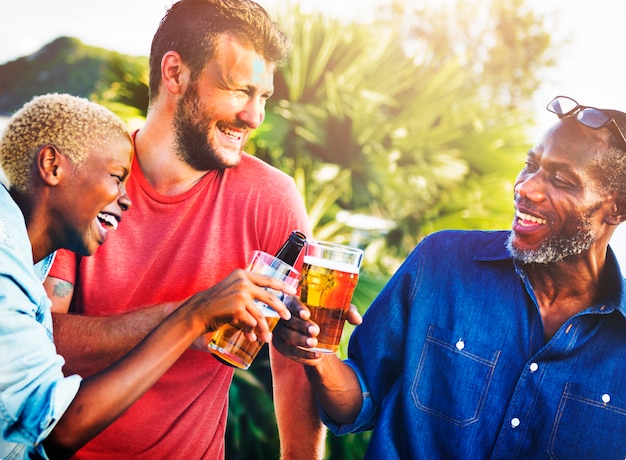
(453,376)
(587,418)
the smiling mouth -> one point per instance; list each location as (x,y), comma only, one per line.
(234,135)
(527,219)
(108,220)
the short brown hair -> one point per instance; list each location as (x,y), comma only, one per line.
(193,28)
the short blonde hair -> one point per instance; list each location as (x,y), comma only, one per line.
(73,125)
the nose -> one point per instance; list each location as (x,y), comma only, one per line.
(123,200)
(253,113)
(530,187)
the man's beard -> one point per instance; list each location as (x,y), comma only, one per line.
(191,126)
(558,247)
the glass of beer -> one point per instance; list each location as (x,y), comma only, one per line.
(329,276)
(228,343)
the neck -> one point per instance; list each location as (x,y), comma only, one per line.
(567,287)
(35,218)
(162,167)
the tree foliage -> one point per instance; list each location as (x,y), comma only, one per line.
(394,122)
(66,65)
(503,41)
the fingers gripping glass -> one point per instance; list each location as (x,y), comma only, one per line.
(591,117)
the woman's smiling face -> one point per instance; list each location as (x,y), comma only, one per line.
(95,196)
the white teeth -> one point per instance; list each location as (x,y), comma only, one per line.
(108,219)
(528,218)
(234,134)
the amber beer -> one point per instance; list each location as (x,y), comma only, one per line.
(329,276)
(231,345)
(228,343)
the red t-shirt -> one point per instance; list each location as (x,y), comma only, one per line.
(166,249)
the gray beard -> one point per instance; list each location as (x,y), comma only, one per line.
(554,249)
(558,247)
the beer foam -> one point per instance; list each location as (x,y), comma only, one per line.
(331,264)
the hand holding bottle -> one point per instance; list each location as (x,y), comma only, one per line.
(230,343)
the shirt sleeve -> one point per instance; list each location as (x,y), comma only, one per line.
(34,393)
(377,347)
(366,417)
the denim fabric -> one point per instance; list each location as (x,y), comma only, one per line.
(453,363)
(33,391)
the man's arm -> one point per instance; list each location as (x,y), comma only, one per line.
(336,387)
(323,375)
(106,395)
(90,344)
(334,383)
(301,432)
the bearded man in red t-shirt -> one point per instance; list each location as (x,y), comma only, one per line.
(200,207)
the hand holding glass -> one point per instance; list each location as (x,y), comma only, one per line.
(230,343)
(329,277)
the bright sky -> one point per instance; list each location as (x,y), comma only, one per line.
(121,25)
(591,69)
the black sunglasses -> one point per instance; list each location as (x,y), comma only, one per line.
(591,117)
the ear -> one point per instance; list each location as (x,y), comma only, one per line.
(619,210)
(48,164)
(172,70)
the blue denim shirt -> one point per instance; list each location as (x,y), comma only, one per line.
(33,391)
(453,363)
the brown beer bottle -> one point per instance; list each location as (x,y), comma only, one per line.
(290,251)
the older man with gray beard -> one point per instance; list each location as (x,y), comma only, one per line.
(506,344)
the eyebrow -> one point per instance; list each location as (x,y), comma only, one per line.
(125,171)
(553,164)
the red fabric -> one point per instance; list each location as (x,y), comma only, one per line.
(166,249)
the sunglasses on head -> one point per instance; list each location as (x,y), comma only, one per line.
(591,117)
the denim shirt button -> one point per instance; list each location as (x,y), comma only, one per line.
(534,367)
(515,422)
(460,344)
(606,398)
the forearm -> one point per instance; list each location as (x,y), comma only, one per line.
(90,344)
(105,396)
(302,434)
(336,388)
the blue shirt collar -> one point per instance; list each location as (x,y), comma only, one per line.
(497,251)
